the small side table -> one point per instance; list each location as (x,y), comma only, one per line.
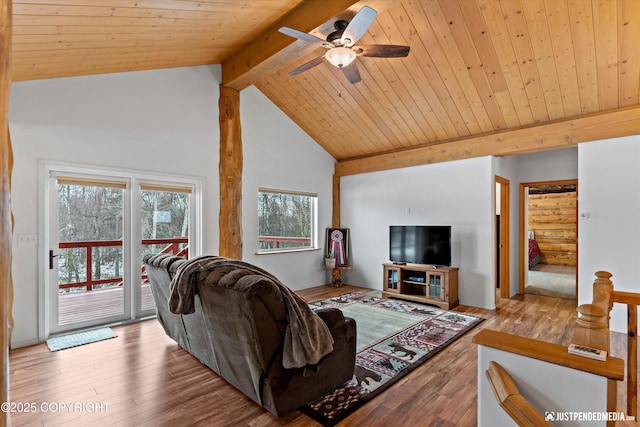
(336,275)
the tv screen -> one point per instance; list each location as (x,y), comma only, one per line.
(420,244)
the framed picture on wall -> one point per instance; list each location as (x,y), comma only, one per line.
(337,244)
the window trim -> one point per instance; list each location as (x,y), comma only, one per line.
(314,221)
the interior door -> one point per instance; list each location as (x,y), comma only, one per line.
(503,262)
(88,269)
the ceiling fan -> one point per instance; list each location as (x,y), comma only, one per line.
(341,45)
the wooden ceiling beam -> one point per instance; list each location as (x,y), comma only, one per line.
(272,50)
(552,136)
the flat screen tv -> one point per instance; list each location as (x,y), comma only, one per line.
(420,244)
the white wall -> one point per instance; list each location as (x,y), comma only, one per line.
(280,155)
(458,193)
(546,165)
(155,121)
(609,179)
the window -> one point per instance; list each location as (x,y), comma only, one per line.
(286,221)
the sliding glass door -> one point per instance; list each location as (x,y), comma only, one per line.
(165,216)
(99,228)
(87,262)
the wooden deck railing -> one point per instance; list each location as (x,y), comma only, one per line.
(283,239)
(632,300)
(173,247)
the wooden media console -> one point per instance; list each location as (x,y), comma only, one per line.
(422,283)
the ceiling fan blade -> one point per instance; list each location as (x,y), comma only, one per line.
(307,65)
(358,26)
(309,38)
(382,50)
(351,72)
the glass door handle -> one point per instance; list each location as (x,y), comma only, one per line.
(51,257)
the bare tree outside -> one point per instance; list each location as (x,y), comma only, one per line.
(89,213)
(285,221)
(96,214)
(165,214)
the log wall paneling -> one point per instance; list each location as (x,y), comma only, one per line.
(6,165)
(553,219)
(230,174)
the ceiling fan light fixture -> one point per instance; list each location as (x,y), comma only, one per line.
(340,56)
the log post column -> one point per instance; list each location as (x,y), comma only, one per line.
(335,216)
(230,168)
(6,165)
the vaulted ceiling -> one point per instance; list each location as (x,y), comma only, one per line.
(483,76)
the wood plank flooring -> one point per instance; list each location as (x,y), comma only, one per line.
(143,378)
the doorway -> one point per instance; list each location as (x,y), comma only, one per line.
(97,228)
(87,265)
(502,268)
(549,229)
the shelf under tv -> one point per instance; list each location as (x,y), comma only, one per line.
(422,283)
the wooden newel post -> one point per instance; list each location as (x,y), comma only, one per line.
(592,325)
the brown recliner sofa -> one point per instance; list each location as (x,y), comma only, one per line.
(238,328)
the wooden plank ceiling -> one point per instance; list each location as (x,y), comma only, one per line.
(477,68)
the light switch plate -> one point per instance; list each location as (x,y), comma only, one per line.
(27,239)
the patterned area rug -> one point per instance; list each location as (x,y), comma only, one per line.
(81,338)
(394,337)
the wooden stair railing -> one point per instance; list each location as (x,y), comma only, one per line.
(592,329)
(611,370)
(632,300)
(510,399)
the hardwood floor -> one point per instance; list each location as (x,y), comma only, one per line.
(143,378)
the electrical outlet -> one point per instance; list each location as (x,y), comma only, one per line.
(27,239)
